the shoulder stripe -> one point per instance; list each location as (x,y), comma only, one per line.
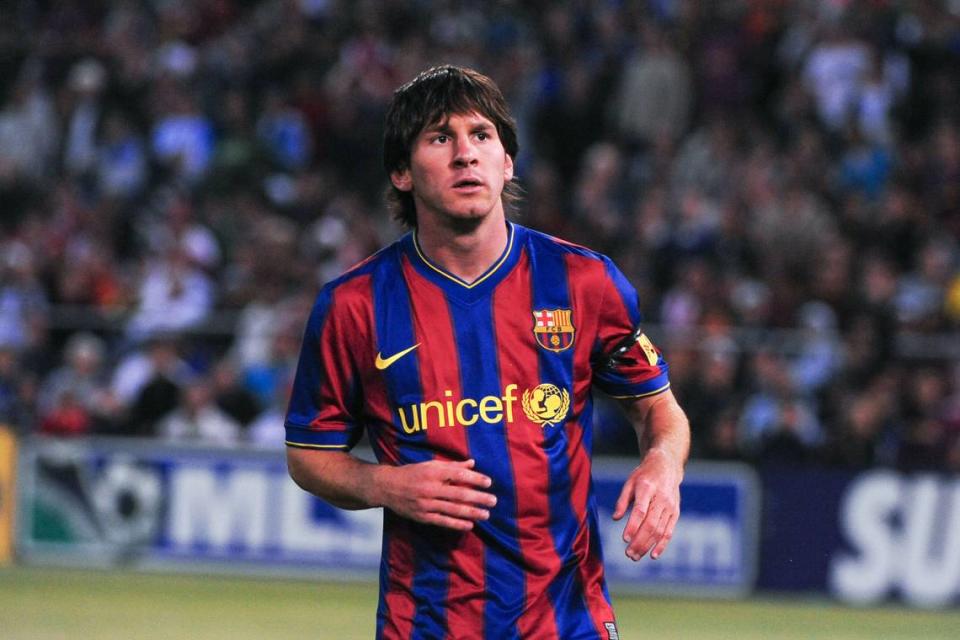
(301,445)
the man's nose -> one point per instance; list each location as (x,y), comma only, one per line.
(465,153)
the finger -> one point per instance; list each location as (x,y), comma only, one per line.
(467,496)
(623,501)
(448,522)
(469,478)
(665,537)
(648,534)
(458,510)
(641,504)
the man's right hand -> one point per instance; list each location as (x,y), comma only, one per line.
(442,493)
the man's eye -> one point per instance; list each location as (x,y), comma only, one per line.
(441,139)
(483,135)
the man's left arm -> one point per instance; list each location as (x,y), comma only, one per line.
(651,495)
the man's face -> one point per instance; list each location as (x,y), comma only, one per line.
(457,170)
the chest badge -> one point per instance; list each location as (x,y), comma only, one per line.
(553,328)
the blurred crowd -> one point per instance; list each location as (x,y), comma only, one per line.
(780,180)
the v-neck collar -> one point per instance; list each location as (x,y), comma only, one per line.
(456,285)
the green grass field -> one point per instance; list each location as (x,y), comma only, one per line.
(54,604)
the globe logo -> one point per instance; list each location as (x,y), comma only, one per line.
(545,404)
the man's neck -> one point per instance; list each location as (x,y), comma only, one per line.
(464,251)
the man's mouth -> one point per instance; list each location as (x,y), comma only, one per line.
(467,183)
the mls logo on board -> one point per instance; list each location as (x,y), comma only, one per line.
(553,328)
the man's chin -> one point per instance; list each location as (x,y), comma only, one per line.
(463,224)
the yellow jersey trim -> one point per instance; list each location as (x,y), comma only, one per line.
(644,395)
(300,445)
(462,283)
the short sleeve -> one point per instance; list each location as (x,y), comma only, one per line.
(326,392)
(625,362)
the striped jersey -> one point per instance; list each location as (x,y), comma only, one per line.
(499,370)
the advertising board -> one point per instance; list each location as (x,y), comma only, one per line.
(118,501)
(864,538)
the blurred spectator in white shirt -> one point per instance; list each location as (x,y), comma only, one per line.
(173,295)
(197,418)
(29,131)
(834,73)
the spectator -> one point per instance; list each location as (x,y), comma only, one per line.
(197,418)
(231,397)
(263,378)
(87,82)
(773,409)
(147,383)
(29,132)
(655,91)
(173,295)
(22,297)
(121,163)
(820,358)
(267,430)
(15,390)
(835,71)
(284,133)
(183,137)
(723,442)
(187,170)
(921,292)
(715,390)
(856,443)
(786,444)
(77,392)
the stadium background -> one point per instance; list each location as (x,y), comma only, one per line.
(780,180)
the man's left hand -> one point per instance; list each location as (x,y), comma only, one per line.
(653,490)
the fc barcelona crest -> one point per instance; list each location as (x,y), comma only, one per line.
(553,328)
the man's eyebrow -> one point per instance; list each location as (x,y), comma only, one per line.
(438,127)
(443,126)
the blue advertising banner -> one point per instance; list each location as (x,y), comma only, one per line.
(118,501)
(110,501)
(864,538)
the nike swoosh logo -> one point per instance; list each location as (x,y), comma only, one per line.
(382,363)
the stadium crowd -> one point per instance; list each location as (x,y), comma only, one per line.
(779,179)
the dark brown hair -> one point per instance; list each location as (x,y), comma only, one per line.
(428,99)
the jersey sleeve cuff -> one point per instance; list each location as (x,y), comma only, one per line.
(307,438)
(656,385)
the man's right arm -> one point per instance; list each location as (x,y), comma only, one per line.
(443,493)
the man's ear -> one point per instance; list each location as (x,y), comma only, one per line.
(507,168)
(402,180)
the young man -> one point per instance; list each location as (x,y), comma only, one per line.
(467,350)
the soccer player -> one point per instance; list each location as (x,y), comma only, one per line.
(467,350)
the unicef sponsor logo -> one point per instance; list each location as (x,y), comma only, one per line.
(545,405)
